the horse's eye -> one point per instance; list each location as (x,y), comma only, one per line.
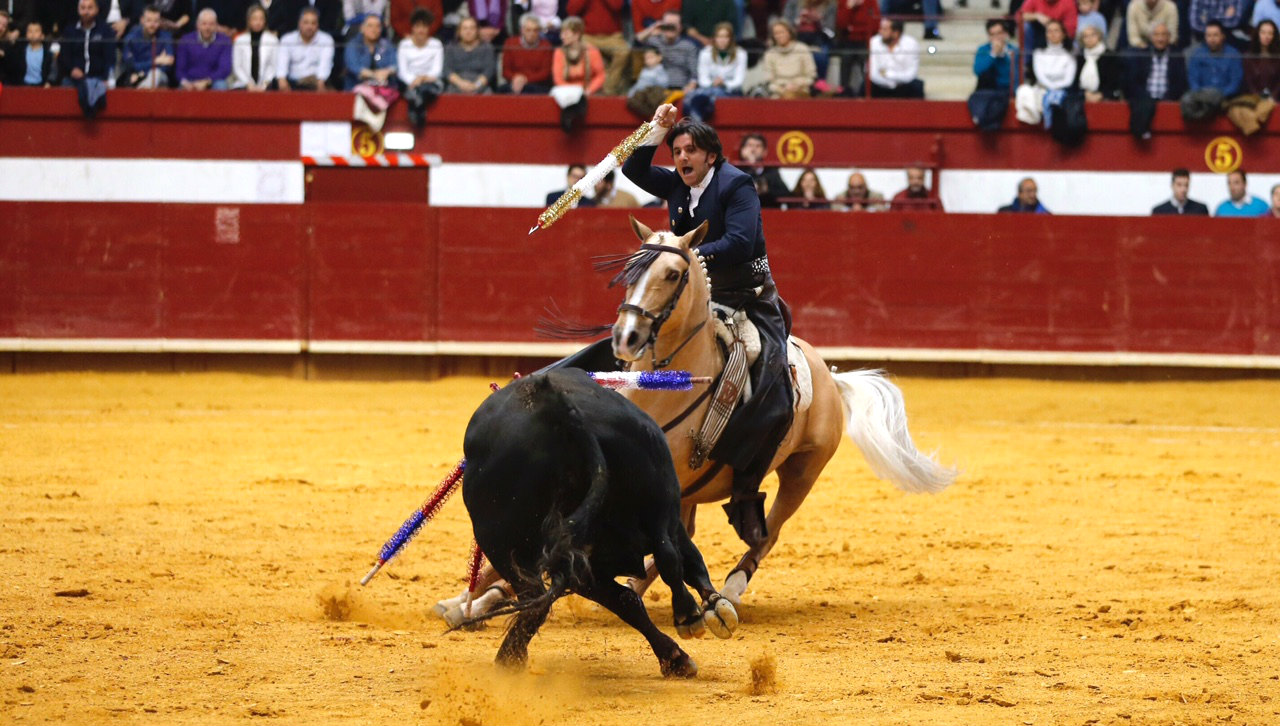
(672,276)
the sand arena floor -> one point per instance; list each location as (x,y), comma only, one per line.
(1109,556)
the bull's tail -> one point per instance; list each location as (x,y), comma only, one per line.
(876,420)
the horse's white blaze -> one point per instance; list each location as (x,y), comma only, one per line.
(876,420)
(632,319)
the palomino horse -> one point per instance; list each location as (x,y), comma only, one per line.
(667,312)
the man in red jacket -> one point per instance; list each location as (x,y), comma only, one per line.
(526,60)
(603,21)
(856,22)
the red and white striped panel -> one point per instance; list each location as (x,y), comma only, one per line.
(387,160)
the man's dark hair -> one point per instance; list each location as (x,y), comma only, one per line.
(1243,176)
(896,25)
(1181,174)
(421,15)
(704,137)
(1216,24)
(153,9)
(308,10)
(747,137)
(576,166)
(997,22)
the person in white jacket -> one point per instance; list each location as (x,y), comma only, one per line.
(1054,68)
(722,70)
(253,54)
(419,65)
(894,63)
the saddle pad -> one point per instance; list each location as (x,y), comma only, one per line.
(746,330)
(801,376)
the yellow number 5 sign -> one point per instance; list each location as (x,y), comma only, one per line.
(795,147)
(1223,155)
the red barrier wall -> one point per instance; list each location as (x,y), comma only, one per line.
(399,272)
(525,129)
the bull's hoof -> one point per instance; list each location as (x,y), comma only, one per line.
(680,667)
(722,619)
(694,627)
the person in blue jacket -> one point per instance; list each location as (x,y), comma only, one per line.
(704,188)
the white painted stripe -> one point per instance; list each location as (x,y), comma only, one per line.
(147,345)
(560,349)
(186,181)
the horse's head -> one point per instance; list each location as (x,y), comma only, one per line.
(656,276)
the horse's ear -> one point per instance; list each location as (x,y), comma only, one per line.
(643,232)
(694,238)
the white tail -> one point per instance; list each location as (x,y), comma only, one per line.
(876,420)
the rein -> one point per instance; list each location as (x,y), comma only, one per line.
(665,314)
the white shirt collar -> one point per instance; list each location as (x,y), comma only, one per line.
(695,193)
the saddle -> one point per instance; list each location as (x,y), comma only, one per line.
(740,342)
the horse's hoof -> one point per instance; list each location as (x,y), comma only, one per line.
(694,628)
(722,619)
(454,617)
(681,667)
(440,609)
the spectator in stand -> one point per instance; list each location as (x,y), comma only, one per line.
(700,18)
(370,58)
(1179,203)
(577,71)
(1144,15)
(31,62)
(469,64)
(574,175)
(858,197)
(254,54)
(402,16)
(147,53)
(492,18)
(608,195)
(421,66)
(1035,15)
(1214,74)
(808,192)
(646,15)
(993,63)
(895,63)
(815,23)
(526,59)
(545,13)
(1275,201)
(1027,201)
(1158,73)
(231,14)
(1054,69)
(1262,66)
(278,20)
(602,28)
(915,198)
(1265,10)
(679,54)
(1228,14)
(1099,74)
(1240,203)
(204,56)
(788,65)
(88,52)
(354,11)
(1087,15)
(306,56)
(328,14)
(856,22)
(722,69)
(752,151)
(651,84)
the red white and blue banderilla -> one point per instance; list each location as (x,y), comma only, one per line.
(623,381)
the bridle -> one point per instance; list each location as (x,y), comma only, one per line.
(662,317)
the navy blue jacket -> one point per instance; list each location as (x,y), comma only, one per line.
(1139,70)
(92,51)
(730,204)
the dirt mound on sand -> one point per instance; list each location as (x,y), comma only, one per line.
(348,603)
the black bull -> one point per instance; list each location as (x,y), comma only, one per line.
(569,485)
